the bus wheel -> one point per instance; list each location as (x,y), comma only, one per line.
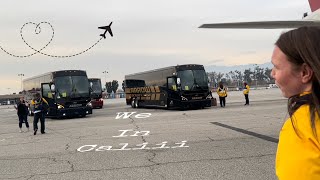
(136,103)
(133,102)
(167,105)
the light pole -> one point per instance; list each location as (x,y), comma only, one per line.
(105,77)
(255,74)
(21,79)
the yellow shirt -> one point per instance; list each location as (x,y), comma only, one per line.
(246,90)
(298,158)
(222,92)
(33,102)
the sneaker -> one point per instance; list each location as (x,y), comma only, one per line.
(20,131)
(43,132)
(35,132)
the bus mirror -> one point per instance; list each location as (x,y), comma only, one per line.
(52,87)
(178,81)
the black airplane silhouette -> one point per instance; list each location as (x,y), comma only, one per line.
(107,28)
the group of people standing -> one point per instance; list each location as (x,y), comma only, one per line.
(222,93)
(39,105)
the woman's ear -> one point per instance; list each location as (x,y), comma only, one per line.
(306,72)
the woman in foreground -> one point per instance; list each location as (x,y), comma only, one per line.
(296,60)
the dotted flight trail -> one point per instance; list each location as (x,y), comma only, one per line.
(38,31)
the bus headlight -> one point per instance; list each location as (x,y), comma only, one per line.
(89,104)
(60,106)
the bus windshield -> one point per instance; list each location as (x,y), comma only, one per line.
(72,86)
(193,80)
(96,87)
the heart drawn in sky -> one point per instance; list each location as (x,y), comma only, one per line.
(36,35)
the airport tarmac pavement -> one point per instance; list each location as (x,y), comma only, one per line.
(118,142)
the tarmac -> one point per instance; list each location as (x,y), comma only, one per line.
(119,142)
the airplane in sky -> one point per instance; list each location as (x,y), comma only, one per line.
(107,29)
(308,20)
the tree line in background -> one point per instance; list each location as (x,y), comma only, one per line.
(256,77)
(112,86)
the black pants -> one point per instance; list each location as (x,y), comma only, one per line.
(222,101)
(247,98)
(23,118)
(38,116)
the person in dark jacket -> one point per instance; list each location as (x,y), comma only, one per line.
(39,105)
(22,111)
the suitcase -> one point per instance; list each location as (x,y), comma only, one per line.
(213,102)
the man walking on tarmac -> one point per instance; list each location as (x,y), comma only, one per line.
(40,109)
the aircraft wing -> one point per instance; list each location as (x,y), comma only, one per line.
(263,24)
(110,32)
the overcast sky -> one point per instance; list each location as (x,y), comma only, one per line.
(148,34)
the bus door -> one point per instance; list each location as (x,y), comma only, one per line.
(172,89)
(48,95)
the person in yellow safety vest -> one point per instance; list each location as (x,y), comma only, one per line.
(246,93)
(222,92)
(296,60)
(40,109)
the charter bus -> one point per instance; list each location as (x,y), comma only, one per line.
(67,92)
(96,93)
(181,86)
